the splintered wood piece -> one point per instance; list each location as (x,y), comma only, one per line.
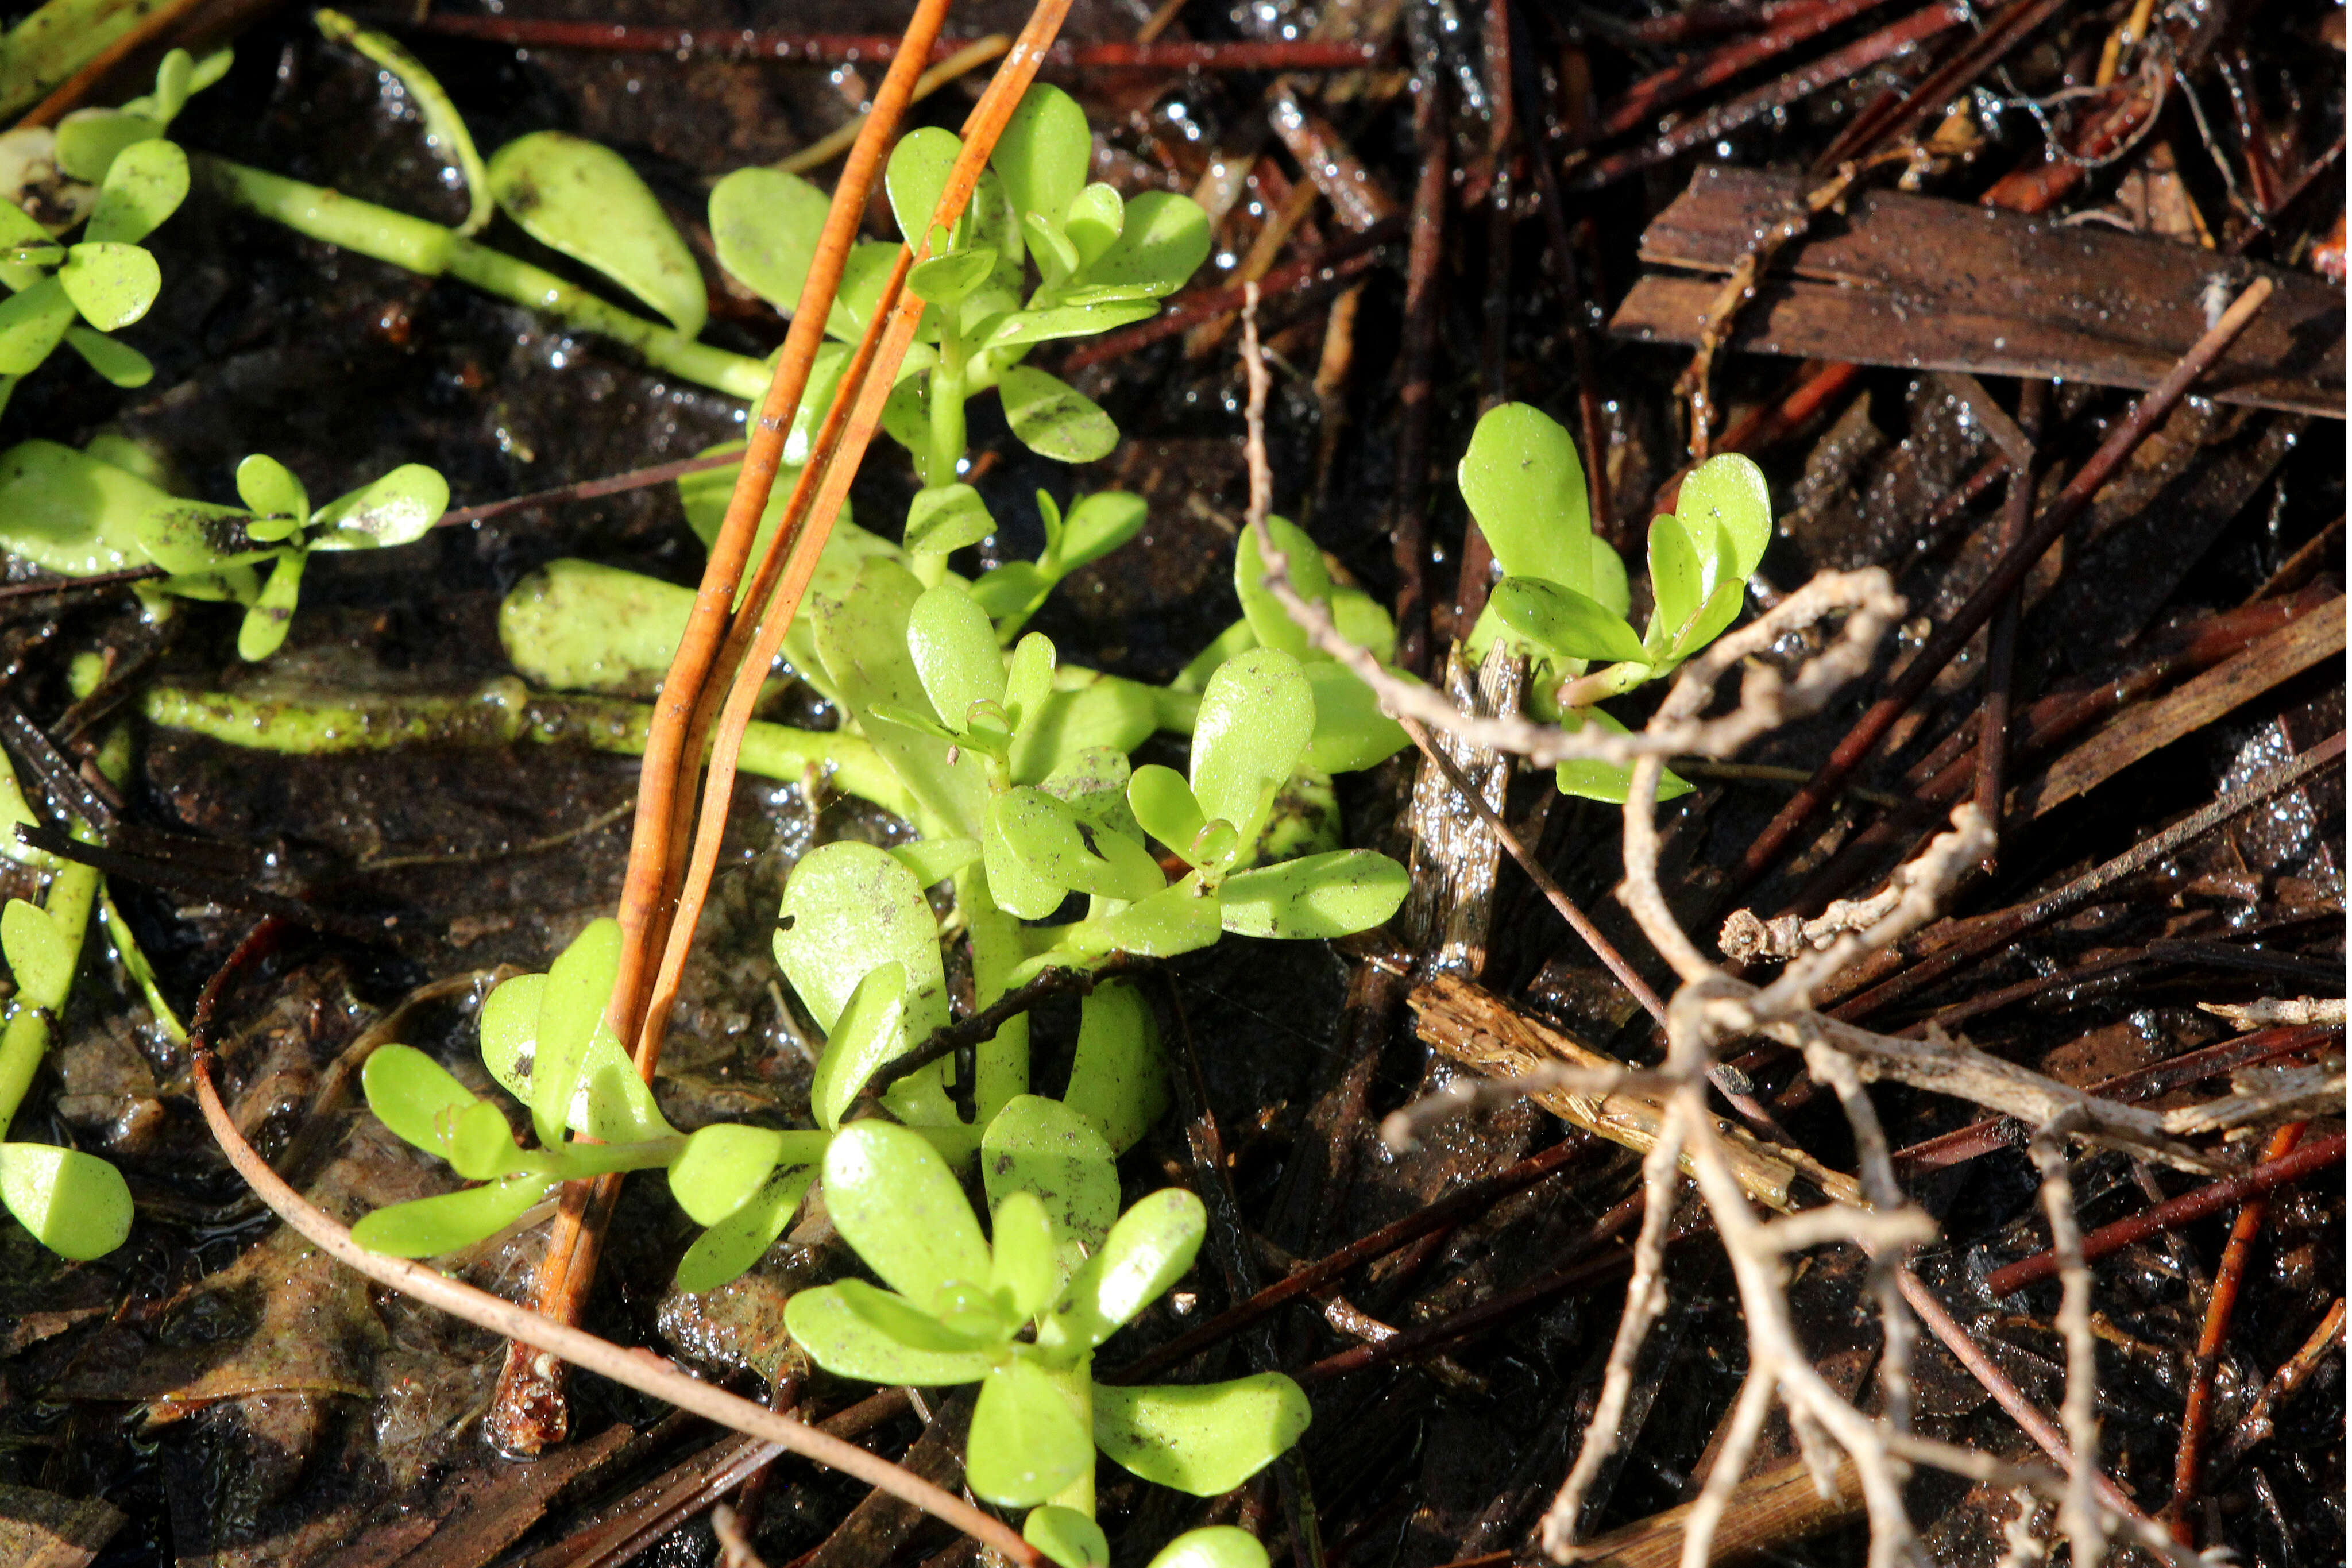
(1481,1030)
(1937,285)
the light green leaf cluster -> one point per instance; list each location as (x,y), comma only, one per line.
(1564,596)
(1100,262)
(81,514)
(76,291)
(1064,1266)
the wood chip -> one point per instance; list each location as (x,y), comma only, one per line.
(42,1530)
(1927,284)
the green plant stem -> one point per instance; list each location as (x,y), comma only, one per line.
(430,248)
(1615,682)
(501,712)
(134,961)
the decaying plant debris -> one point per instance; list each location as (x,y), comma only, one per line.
(1871,1092)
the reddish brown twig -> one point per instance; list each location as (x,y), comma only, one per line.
(2000,644)
(529,1413)
(2260,1421)
(1956,632)
(1898,115)
(2221,1303)
(2282,1171)
(1654,94)
(1981,1138)
(861,48)
(1890,42)
(1960,941)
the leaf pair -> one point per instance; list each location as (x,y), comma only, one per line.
(1096,525)
(106,279)
(1703,554)
(1350,730)
(955,1301)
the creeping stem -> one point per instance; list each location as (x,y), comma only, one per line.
(429,248)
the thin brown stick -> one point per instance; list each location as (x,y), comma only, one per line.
(648,1375)
(2000,644)
(1955,633)
(529,1413)
(2221,1303)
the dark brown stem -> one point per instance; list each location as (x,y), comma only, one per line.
(2309,1158)
(1408,536)
(981,1027)
(2000,644)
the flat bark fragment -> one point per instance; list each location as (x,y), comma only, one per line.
(1924,284)
(42,1530)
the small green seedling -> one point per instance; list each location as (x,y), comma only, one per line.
(1564,596)
(1101,262)
(81,514)
(76,291)
(1020,1314)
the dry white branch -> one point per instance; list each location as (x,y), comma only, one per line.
(2271,1012)
(1712,1010)
(2080,1514)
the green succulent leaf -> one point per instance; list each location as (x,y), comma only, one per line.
(1321,896)
(1162,240)
(1563,622)
(723,1252)
(764,226)
(1094,221)
(1268,621)
(902,1321)
(1057,258)
(822,1322)
(33,323)
(1677,581)
(111,283)
(39,955)
(934,860)
(418,1100)
(1054,1153)
(579,988)
(1203,1439)
(1117,1081)
(955,652)
(849,909)
(1350,730)
(88,141)
(1526,486)
(1044,153)
(1729,491)
(1043,835)
(869,1033)
(945,279)
(427,1227)
(1021,1250)
(1163,805)
(1068,1536)
(398,509)
(119,362)
(1591,779)
(145,183)
(1148,1250)
(281,504)
(1096,525)
(74,1204)
(917,176)
(1213,1546)
(271,616)
(582,198)
(1029,680)
(1013,590)
(1024,326)
(1181,918)
(1256,721)
(613,1103)
(1027,1441)
(1055,419)
(723,1167)
(896,1202)
(862,279)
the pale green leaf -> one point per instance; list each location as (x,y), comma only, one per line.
(1256,720)
(90,141)
(1044,153)
(111,283)
(1729,491)
(573,195)
(398,509)
(1093,224)
(1212,1546)
(74,1204)
(1350,730)
(953,645)
(1203,1439)
(579,988)
(1044,834)
(1099,524)
(1674,583)
(764,224)
(1564,623)
(1053,1153)
(1066,1536)
(39,954)
(425,1227)
(275,496)
(1267,619)
(899,1206)
(1162,241)
(31,324)
(869,1033)
(271,616)
(1066,321)
(917,176)
(1321,896)
(821,1322)
(119,362)
(1525,485)
(145,184)
(1055,419)
(727,1248)
(849,909)
(1164,806)
(1117,1081)
(721,1167)
(1148,1249)
(1027,1440)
